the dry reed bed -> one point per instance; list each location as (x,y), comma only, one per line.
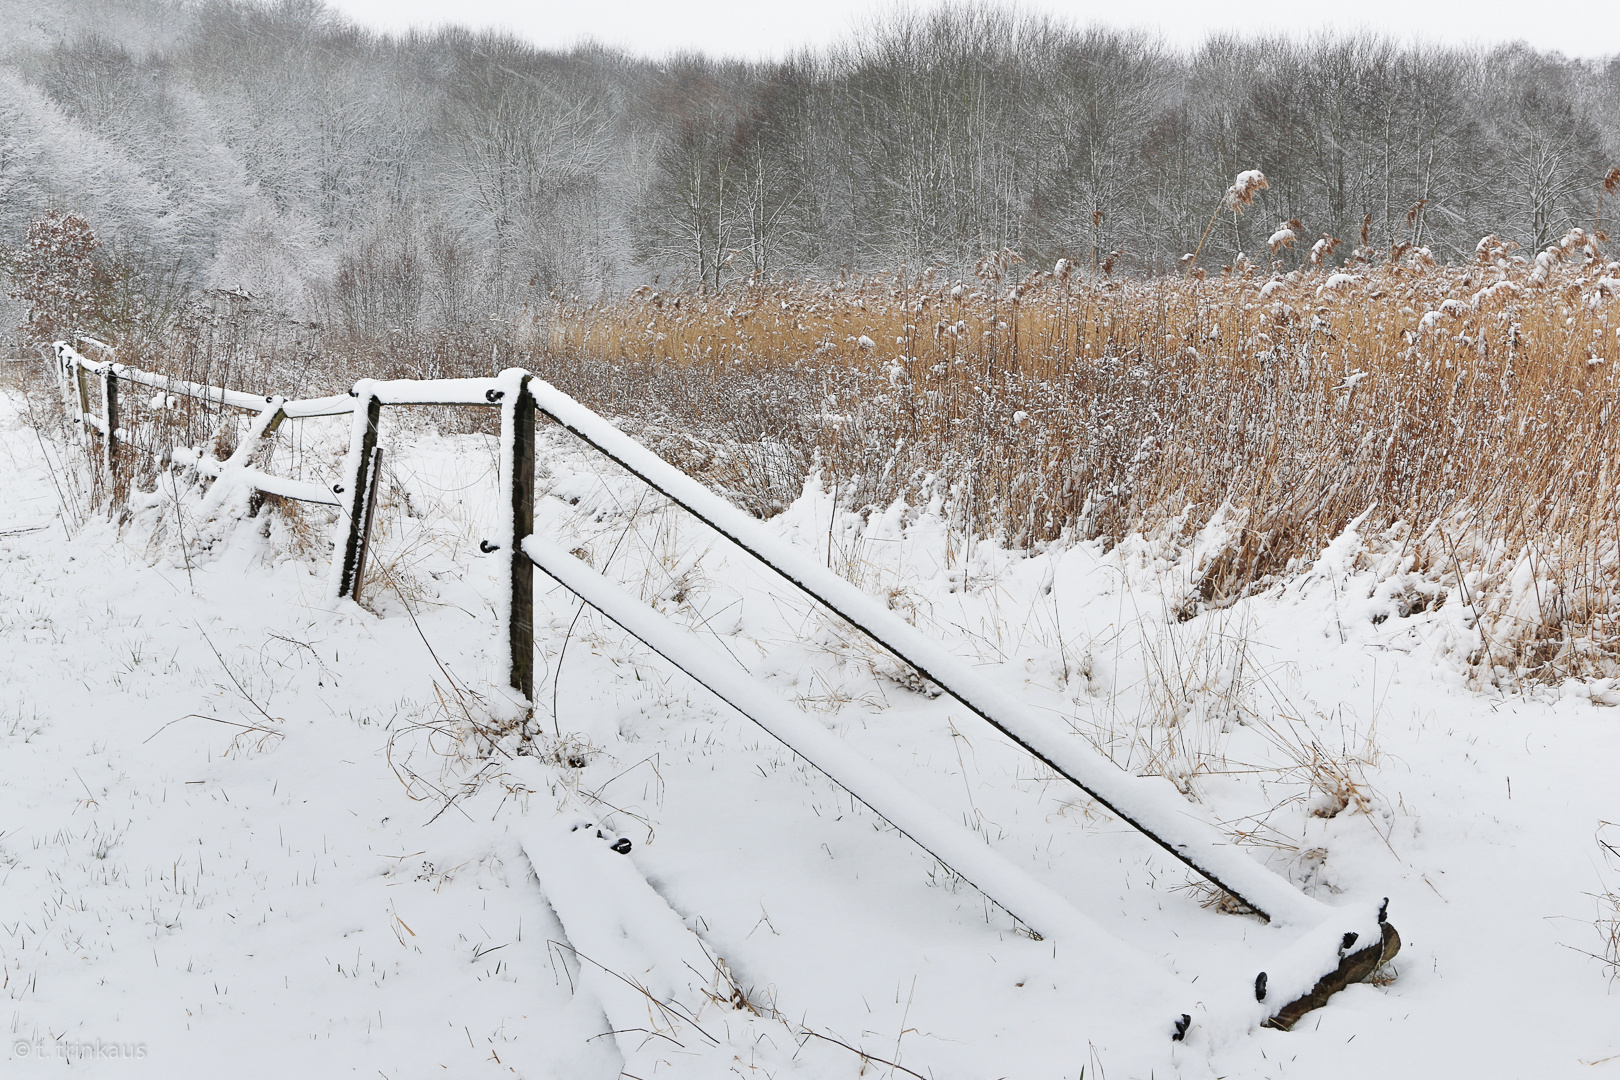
(1466,407)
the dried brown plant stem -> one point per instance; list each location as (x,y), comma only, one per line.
(1192,262)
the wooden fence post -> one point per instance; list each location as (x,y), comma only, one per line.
(375,471)
(58,350)
(520,626)
(109,410)
(83,392)
(357,503)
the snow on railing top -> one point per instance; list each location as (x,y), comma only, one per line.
(334,405)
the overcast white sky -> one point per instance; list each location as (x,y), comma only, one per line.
(767,28)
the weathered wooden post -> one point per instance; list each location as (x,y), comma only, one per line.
(520,626)
(63,365)
(265,430)
(109,410)
(374,470)
(83,390)
(357,500)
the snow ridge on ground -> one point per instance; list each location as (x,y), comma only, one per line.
(244,828)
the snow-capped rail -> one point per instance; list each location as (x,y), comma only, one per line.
(75,373)
(71,362)
(90,394)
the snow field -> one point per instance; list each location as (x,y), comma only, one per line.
(222,896)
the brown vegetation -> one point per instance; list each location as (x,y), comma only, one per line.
(1464,409)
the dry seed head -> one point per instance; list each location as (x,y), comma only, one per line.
(1323,248)
(1611,182)
(1248,184)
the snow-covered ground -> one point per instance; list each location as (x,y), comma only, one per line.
(245,829)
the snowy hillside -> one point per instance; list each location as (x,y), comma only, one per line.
(244,830)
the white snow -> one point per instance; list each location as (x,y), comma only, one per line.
(673,1009)
(258,893)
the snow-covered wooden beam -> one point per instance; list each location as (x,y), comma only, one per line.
(963,851)
(1149,803)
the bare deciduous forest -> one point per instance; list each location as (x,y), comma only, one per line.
(394,184)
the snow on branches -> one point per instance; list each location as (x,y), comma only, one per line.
(59,275)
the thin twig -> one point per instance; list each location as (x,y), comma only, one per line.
(864,1055)
(668,1008)
(215,719)
(229,674)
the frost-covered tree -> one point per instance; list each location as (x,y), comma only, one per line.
(61,277)
(429,181)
